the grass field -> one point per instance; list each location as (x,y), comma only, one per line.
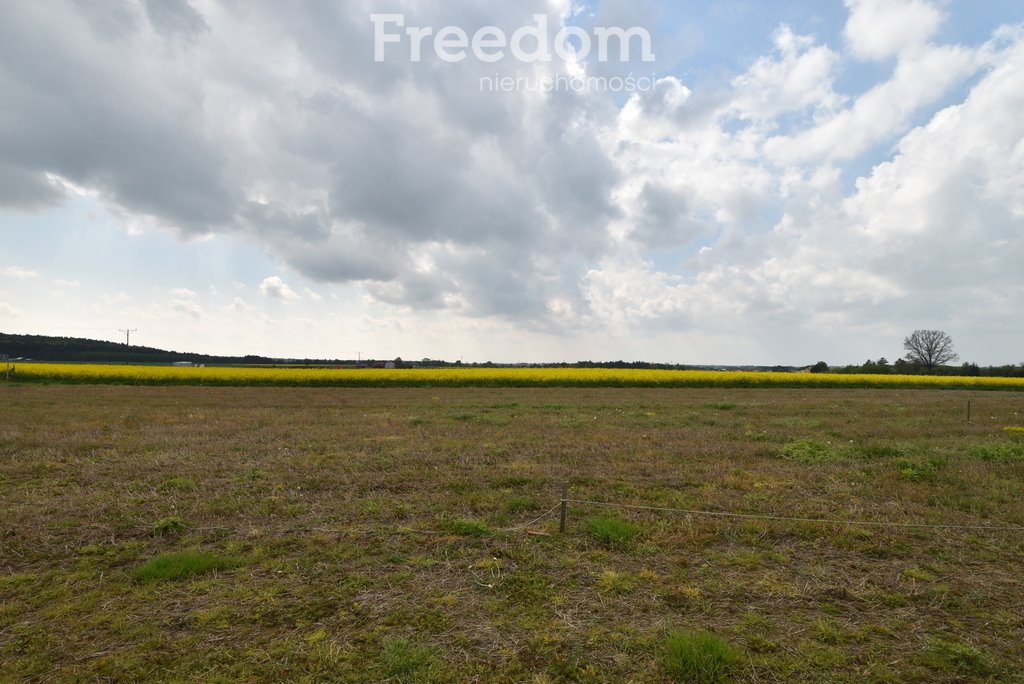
(482,377)
(324,534)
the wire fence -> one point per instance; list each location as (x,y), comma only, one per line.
(784,518)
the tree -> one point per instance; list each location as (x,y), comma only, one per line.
(930,348)
(820,367)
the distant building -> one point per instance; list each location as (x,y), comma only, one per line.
(182,364)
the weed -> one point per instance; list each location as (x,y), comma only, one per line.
(407,661)
(613,582)
(168,526)
(720,405)
(806,451)
(611,531)
(469,528)
(699,657)
(997,451)
(919,471)
(175,566)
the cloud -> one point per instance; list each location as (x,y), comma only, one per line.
(799,77)
(239,305)
(17,272)
(9,310)
(878,29)
(275,288)
(187,307)
(715,203)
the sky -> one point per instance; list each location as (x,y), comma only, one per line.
(781,183)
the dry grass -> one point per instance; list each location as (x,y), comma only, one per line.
(369,533)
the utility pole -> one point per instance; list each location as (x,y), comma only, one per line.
(128,335)
(359,357)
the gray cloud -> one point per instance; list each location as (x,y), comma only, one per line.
(175,18)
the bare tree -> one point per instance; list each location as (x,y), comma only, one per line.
(930,348)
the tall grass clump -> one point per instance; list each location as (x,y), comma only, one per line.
(699,657)
(179,565)
(611,531)
(469,528)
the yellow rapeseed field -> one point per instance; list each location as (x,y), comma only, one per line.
(481,377)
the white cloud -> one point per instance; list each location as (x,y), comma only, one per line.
(275,288)
(187,307)
(311,295)
(9,310)
(183,293)
(17,272)
(239,305)
(798,77)
(878,29)
(883,111)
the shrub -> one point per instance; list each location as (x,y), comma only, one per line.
(611,531)
(175,566)
(698,656)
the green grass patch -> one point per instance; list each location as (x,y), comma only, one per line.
(405,661)
(176,566)
(174,483)
(956,658)
(919,471)
(720,405)
(699,657)
(807,451)
(997,451)
(611,531)
(468,528)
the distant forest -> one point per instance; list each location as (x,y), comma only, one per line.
(78,350)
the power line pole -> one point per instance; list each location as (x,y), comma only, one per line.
(128,335)
(359,357)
